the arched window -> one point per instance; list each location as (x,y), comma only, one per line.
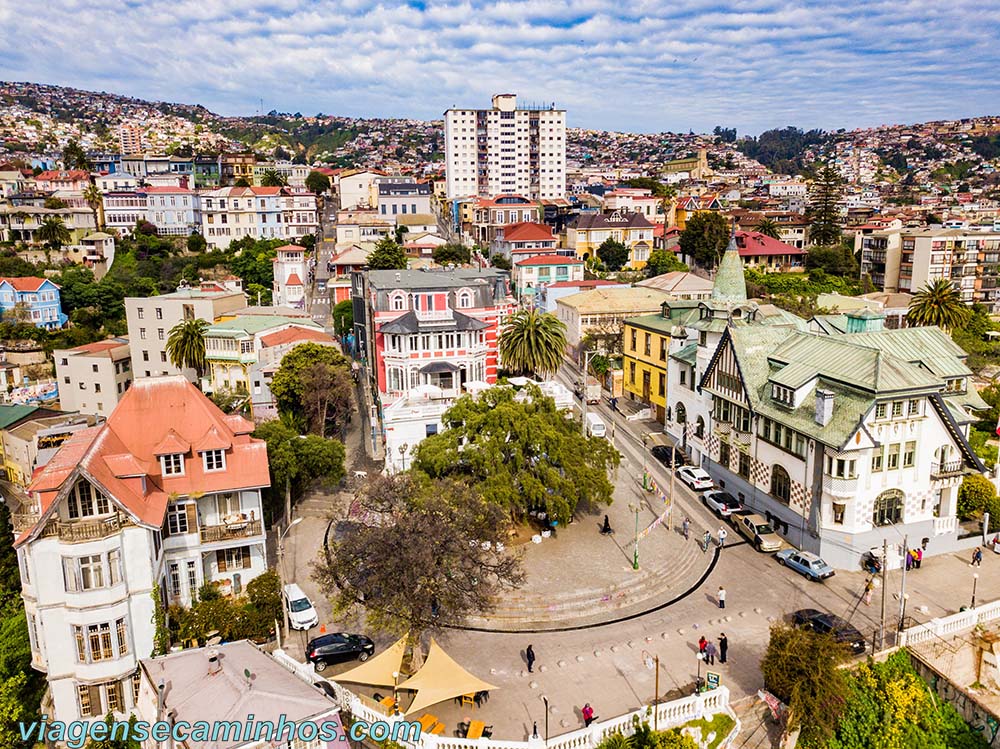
(681,414)
(781,485)
(398,301)
(888,508)
(464,299)
(699,429)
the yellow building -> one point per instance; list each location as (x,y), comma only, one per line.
(631,229)
(645,349)
(689,205)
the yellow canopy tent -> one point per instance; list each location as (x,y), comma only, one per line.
(439,680)
(378,671)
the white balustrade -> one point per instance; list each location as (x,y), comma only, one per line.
(948,625)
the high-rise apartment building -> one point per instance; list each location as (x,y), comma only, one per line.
(131,139)
(506,150)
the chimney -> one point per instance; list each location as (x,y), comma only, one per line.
(214,664)
(824,407)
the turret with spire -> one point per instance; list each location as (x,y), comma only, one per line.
(730,284)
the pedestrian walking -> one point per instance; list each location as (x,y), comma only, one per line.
(977,557)
(606,528)
(869,589)
(723,647)
(722,597)
(722,536)
(529,654)
(702,644)
(706,541)
(588,714)
(710,652)
(686,528)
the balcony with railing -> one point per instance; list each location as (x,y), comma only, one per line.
(435,315)
(231,531)
(80,531)
(837,486)
(947,469)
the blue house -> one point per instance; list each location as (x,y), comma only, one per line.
(39,300)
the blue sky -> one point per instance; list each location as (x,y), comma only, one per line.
(633,65)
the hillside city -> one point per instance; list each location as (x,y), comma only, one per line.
(499,431)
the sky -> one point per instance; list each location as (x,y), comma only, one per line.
(628,65)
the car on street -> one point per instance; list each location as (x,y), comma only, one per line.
(338,647)
(301,612)
(757,531)
(805,563)
(696,478)
(663,454)
(830,624)
(723,504)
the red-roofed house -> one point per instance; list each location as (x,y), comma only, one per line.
(766,253)
(532,274)
(166,496)
(524,239)
(491,214)
(76,180)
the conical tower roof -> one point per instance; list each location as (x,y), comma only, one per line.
(730,283)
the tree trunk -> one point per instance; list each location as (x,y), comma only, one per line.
(288,500)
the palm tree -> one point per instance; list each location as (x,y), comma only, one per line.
(186,345)
(271,178)
(769,228)
(53,233)
(938,303)
(95,200)
(533,342)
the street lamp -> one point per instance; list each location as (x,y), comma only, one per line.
(546,701)
(975,581)
(586,371)
(697,683)
(395,692)
(635,552)
(653,662)
(645,468)
(281,570)
(402,453)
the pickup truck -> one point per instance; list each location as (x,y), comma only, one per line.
(591,390)
(757,531)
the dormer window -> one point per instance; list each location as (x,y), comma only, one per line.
(783,395)
(398,301)
(172,465)
(214,460)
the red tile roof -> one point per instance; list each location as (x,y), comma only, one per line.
(527,231)
(753,244)
(154,411)
(549,260)
(26,283)
(293,280)
(289,335)
(63,175)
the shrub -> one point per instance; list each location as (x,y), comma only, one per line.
(974,496)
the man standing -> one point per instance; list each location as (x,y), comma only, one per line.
(722,597)
(977,557)
(529,655)
(722,536)
(710,652)
(723,647)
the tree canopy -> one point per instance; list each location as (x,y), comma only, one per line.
(824,207)
(532,342)
(313,387)
(446,562)
(387,255)
(613,254)
(663,261)
(705,237)
(451,253)
(186,345)
(937,303)
(837,260)
(317,182)
(520,453)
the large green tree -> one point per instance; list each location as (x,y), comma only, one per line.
(532,342)
(937,303)
(613,254)
(343,317)
(272,178)
(768,227)
(95,200)
(387,255)
(824,211)
(705,237)
(186,345)
(521,453)
(53,232)
(447,559)
(317,182)
(74,157)
(295,462)
(836,261)
(309,386)
(451,253)
(663,261)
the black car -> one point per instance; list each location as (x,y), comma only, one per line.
(662,454)
(337,648)
(830,624)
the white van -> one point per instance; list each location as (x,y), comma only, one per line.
(301,613)
(595,425)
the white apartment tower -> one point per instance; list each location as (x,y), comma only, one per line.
(506,150)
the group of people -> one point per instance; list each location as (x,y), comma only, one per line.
(913,559)
(706,540)
(708,651)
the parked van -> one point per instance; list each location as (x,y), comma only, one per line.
(301,613)
(596,426)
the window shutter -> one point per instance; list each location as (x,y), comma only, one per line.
(220,559)
(192,516)
(245,552)
(69,575)
(96,706)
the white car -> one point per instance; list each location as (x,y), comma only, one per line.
(696,478)
(301,613)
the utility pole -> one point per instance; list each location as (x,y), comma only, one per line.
(586,367)
(885,578)
(673,472)
(902,583)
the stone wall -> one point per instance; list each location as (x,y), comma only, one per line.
(975,714)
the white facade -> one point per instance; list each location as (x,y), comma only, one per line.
(289,277)
(260,212)
(505,150)
(92,378)
(116,181)
(173,210)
